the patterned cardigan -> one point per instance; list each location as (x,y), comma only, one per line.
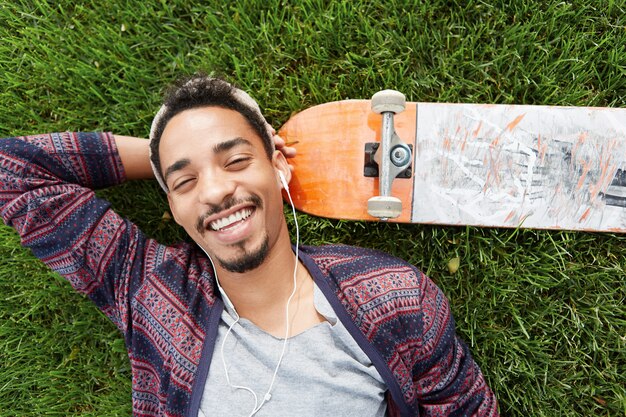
(164,300)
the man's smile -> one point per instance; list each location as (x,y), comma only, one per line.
(228,221)
(228,215)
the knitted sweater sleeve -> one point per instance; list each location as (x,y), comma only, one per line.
(446,378)
(46,195)
(403,321)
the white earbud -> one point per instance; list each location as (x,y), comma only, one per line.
(283,180)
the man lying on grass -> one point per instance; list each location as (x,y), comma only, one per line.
(244,323)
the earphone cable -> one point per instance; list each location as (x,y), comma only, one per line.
(268,394)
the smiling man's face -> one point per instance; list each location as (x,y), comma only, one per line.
(224,190)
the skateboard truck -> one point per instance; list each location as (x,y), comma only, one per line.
(394,156)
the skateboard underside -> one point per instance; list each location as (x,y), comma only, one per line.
(484,165)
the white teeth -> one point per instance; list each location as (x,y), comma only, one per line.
(227,221)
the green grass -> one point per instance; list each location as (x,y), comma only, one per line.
(543,312)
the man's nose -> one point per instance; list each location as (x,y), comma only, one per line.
(214,188)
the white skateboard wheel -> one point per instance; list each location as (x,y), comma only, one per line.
(384,207)
(388,101)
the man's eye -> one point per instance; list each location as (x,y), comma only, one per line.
(181,183)
(239,162)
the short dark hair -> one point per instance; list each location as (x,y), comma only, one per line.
(200,90)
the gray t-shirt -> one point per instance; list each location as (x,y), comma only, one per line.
(323,372)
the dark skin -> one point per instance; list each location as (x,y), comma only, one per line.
(257,295)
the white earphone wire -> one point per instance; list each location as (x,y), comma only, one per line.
(268,394)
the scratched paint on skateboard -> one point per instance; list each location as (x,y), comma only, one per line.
(535,166)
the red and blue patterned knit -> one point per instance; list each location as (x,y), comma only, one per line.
(164,300)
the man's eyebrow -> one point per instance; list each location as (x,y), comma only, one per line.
(229,144)
(176,166)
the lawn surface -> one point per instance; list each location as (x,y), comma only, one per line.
(543,312)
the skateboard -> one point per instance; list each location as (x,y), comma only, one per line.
(542,167)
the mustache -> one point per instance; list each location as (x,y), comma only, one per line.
(225,205)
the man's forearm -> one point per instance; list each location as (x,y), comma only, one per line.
(135,156)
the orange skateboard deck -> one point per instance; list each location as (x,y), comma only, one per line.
(540,167)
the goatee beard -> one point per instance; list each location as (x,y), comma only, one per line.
(249,260)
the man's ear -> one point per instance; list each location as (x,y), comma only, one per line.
(281,165)
(172,210)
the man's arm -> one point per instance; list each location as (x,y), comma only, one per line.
(46,195)
(135,156)
(447,379)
